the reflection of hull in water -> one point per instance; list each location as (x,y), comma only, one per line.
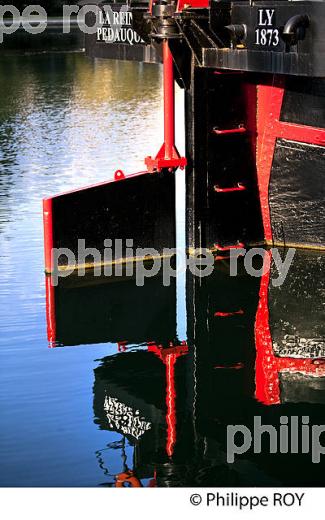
(236,364)
(229,364)
(134,395)
(297,308)
(173,403)
(90,310)
(134,383)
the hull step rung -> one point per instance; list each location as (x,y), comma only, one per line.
(229,131)
(239,245)
(239,187)
(220,314)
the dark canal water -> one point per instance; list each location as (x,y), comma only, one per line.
(142,379)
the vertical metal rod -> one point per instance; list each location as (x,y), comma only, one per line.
(169,101)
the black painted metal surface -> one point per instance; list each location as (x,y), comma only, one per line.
(300,55)
(218,102)
(129,41)
(297,194)
(304,102)
(276,37)
(140,208)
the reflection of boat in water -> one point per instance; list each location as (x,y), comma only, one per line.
(253,350)
(92,310)
(135,396)
(290,334)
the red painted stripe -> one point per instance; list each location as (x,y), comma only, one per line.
(267,389)
(269,102)
(267,365)
(99,184)
(50,311)
(48,234)
(300,133)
